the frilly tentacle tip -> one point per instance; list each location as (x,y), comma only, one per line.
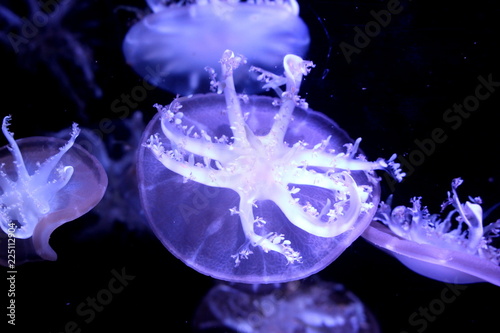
(393,168)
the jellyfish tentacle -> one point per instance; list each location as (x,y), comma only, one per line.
(34,191)
(302,176)
(48,165)
(229,63)
(203,174)
(471,214)
(22,173)
(347,161)
(295,68)
(270,242)
(197,146)
(342,216)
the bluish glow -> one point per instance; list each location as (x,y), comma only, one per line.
(456,249)
(45,182)
(255,189)
(171,47)
(311,306)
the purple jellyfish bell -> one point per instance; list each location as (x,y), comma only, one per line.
(255,189)
(45,182)
(171,47)
(311,306)
(456,249)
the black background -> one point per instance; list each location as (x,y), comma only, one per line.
(395,91)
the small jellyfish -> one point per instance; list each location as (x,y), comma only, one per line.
(309,305)
(171,47)
(45,182)
(456,249)
(116,153)
(255,189)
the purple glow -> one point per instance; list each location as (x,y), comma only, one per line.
(255,189)
(456,249)
(45,182)
(171,47)
(311,306)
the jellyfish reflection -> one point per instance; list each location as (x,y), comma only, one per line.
(171,47)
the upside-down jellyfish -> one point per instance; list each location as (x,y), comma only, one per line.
(171,47)
(255,189)
(45,182)
(456,249)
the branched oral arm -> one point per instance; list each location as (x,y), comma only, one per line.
(22,173)
(269,242)
(282,120)
(319,158)
(202,174)
(197,146)
(310,223)
(229,63)
(50,164)
(342,161)
(471,214)
(295,68)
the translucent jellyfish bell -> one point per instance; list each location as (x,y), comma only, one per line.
(456,249)
(44,183)
(308,305)
(255,189)
(171,47)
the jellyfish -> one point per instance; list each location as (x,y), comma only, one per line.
(455,249)
(309,305)
(44,36)
(45,182)
(171,47)
(120,205)
(255,189)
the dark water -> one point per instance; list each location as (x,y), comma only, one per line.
(394,91)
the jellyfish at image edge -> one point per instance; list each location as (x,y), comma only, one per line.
(45,182)
(171,47)
(456,249)
(309,305)
(255,189)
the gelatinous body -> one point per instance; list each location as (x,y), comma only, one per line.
(171,47)
(255,189)
(45,182)
(311,306)
(456,249)
(116,153)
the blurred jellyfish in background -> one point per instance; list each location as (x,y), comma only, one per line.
(255,189)
(45,182)
(454,249)
(120,206)
(171,47)
(45,39)
(310,305)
